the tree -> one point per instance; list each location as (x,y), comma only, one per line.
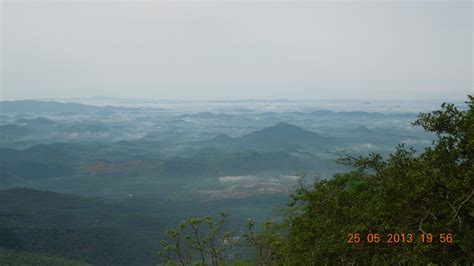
(199,241)
(407,193)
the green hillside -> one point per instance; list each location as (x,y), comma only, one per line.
(13,258)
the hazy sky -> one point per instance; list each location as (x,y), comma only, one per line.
(237,49)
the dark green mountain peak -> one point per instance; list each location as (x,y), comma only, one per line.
(285,129)
(222,137)
(282,133)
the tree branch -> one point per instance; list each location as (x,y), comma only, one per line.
(456,214)
(420,225)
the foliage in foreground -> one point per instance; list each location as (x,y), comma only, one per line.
(407,193)
(199,241)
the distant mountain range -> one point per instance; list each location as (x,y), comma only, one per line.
(36,122)
(280,137)
(37,106)
(33,106)
(283,133)
(268,149)
(13,130)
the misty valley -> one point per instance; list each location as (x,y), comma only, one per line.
(236,133)
(99,184)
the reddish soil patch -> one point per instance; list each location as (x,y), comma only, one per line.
(105,167)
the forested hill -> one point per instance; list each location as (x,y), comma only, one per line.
(67,226)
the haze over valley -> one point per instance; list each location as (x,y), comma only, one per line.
(119,120)
(137,169)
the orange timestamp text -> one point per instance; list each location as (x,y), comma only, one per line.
(400,238)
